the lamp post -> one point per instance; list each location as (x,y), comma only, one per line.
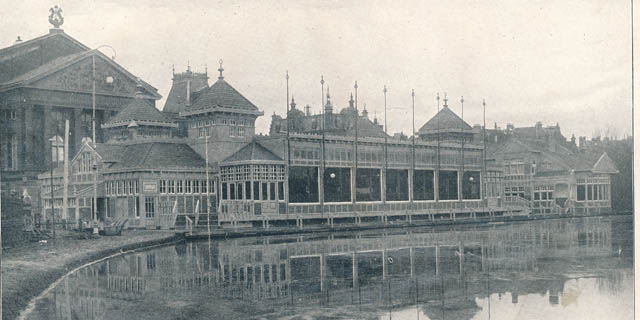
(53,210)
(93,129)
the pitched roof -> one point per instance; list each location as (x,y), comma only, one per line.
(55,63)
(253,151)
(177,98)
(444,120)
(158,155)
(222,94)
(140,112)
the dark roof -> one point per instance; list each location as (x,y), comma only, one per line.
(142,112)
(56,51)
(110,152)
(444,120)
(46,68)
(177,98)
(253,151)
(221,94)
(158,155)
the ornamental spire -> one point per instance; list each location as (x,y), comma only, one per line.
(221,69)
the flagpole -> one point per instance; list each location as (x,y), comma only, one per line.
(384,186)
(462,137)
(208,185)
(288,148)
(355,149)
(484,147)
(413,147)
(321,175)
(436,193)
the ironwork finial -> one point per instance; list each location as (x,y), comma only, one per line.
(221,69)
(55,16)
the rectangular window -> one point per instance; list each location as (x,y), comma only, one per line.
(280,190)
(224,191)
(337,185)
(589,192)
(247,189)
(187,186)
(303,184)
(203,186)
(368,185)
(448,185)
(240,132)
(264,191)
(397,185)
(179,186)
(423,185)
(256,190)
(149,207)
(471,185)
(137,207)
(240,189)
(272,191)
(163,186)
(212,186)
(196,186)
(172,186)
(232,191)
(581,192)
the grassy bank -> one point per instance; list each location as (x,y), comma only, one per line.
(30,268)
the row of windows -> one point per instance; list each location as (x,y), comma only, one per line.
(233,132)
(9,114)
(186,186)
(260,172)
(224,122)
(122,187)
(260,190)
(593,192)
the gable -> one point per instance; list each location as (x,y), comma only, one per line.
(74,76)
(23,57)
(604,165)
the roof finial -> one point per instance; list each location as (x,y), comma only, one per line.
(445,100)
(206,70)
(293,103)
(220,70)
(139,88)
(328,96)
(55,16)
(188,66)
(173,69)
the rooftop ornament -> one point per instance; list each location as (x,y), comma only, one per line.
(55,16)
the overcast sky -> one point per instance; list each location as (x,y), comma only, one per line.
(551,61)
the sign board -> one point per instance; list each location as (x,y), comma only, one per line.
(149,186)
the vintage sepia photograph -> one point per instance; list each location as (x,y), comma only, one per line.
(285,159)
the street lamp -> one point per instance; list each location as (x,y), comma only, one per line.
(109,80)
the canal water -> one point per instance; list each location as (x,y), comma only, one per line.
(553,269)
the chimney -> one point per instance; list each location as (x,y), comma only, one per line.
(538,129)
(582,142)
(307,110)
(188,102)
(18,40)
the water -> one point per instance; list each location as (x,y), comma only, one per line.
(557,269)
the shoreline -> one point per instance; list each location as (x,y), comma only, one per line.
(230,233)
(28,280)
(15,305)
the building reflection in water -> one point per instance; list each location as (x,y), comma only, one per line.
(444,272)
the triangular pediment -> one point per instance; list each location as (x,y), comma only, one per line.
(76,73)
(604,165)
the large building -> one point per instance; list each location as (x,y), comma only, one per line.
(201,155)
(43,82)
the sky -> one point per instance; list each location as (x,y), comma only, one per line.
(566,62)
